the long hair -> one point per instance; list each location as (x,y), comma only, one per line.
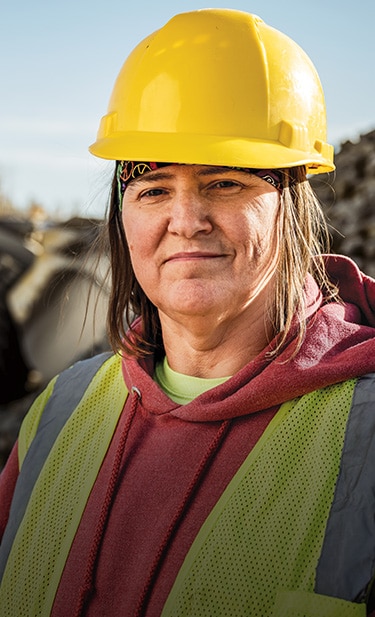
(304,238)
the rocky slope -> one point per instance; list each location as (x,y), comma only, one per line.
(348,199)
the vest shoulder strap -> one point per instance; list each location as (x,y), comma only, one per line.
(56,478)
(53,407)
(346,565)
(266,531)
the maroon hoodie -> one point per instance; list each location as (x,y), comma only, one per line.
(173,462)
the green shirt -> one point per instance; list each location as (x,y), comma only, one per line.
(182,388)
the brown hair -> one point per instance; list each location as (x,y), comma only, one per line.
(304,238)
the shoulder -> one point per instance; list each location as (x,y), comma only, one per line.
(62,395)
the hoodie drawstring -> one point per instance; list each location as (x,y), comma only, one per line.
(105,511)
(88,584)
(201,469)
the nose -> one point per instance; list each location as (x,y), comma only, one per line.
(188,215)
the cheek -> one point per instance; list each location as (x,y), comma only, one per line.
(133,239)
(142,243)
(137,249)
(133,231)
(261,230)
(129,236)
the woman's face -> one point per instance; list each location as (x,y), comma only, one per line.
(203,240)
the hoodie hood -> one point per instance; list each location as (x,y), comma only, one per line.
(339,344)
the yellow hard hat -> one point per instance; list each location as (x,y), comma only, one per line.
(217,87)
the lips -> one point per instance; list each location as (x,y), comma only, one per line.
(193,255)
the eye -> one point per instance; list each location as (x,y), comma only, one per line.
(152,196)
(152,193)
(226,185)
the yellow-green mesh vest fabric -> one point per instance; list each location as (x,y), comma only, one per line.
(310,446)
(266,532)
(307,604)
(60,493)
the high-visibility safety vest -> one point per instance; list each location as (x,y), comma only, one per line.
(292,535)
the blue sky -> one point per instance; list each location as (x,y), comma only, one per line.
(59,61)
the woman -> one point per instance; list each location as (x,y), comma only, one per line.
(219,462)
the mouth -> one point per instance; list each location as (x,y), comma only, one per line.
(193,256)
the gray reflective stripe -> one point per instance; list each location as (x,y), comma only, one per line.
(347,561)
(69,388)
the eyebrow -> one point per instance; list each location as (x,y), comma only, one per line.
(153,176)
(215,169)
(156,176)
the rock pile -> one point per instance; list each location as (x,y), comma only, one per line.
(53,297)
(348,199)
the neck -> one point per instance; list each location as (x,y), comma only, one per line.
(201,347)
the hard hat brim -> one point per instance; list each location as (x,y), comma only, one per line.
(206,150)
